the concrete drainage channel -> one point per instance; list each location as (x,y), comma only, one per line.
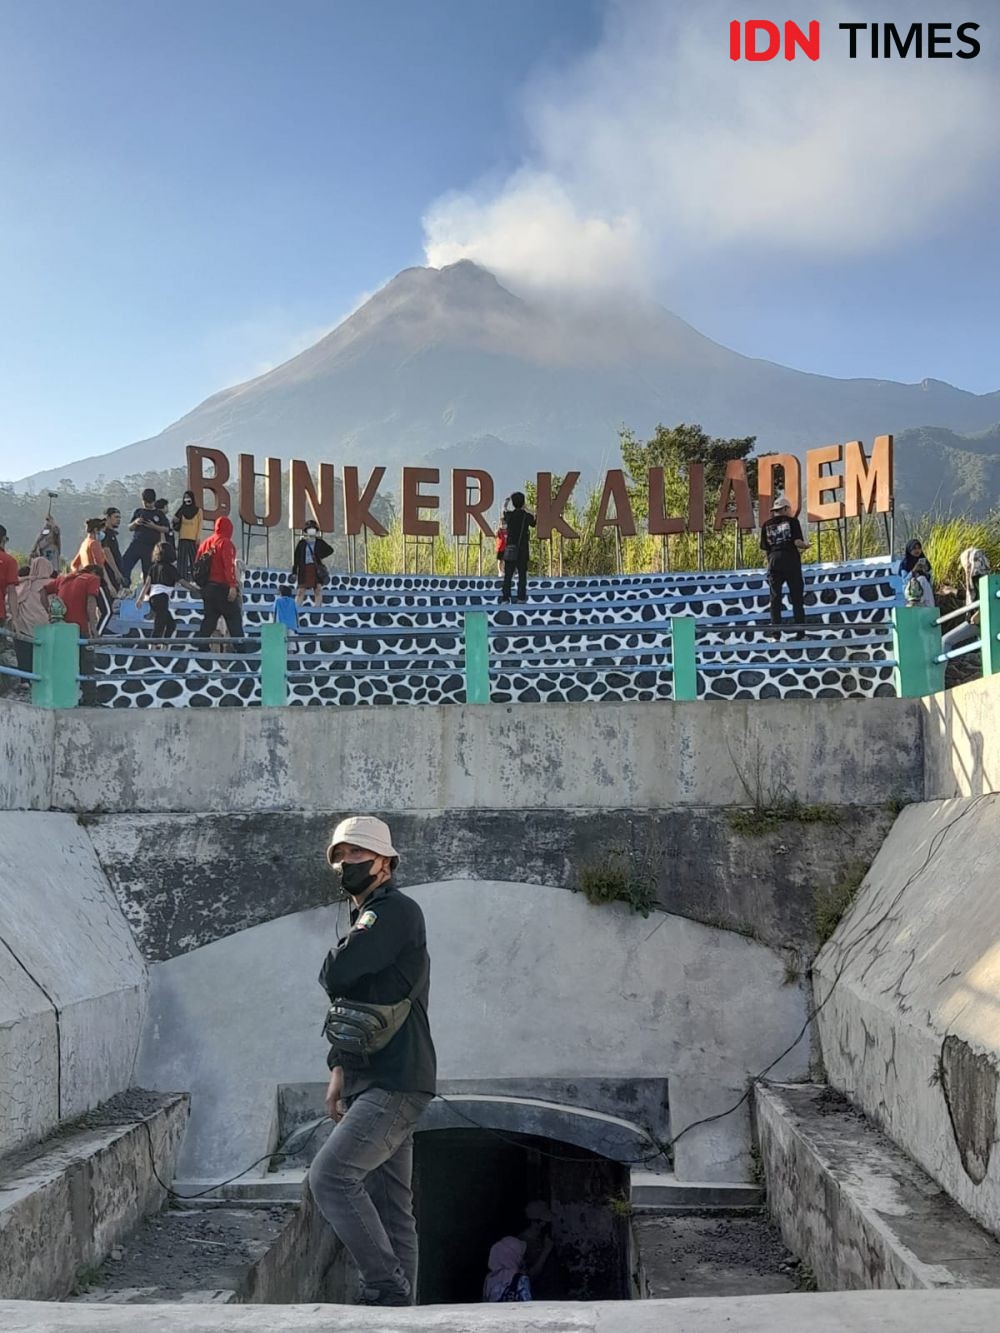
(84,1220)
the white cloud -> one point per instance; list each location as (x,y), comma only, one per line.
(657,149)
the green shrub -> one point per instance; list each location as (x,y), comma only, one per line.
(759,820)
(616,881)
(830,904)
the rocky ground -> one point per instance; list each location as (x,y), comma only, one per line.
(715,1256)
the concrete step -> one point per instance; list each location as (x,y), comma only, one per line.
(664,1192)
(222,1255)
(854,1207)
(65,1203)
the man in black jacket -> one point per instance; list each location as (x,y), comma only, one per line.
(519,523)
(361,1177)
(782,541)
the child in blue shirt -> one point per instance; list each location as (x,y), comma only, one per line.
(285,611)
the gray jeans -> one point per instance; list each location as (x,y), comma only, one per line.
(361,1181)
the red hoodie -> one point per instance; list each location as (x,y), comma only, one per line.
(223,552)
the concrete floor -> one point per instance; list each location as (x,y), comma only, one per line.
(827,1312)
(713,1256)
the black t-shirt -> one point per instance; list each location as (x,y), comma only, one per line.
(149,536)
(164,574)
(379,962)
(519,524)
(778,537)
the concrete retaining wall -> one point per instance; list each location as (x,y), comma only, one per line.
(962,740)
(544,756)
(173,874)
(854,1207)
(911,1031)
(526,982)
(72,981)
(64,1209)
(27,745)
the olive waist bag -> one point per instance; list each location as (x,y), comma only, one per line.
(357,1031)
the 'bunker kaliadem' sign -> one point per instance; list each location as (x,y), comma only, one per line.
(842,481)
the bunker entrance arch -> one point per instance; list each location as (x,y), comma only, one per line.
(473,1186)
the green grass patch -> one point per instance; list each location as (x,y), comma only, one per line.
(617,881)
(759,820)
(830,904)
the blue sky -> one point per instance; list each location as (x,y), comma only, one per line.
(194,191)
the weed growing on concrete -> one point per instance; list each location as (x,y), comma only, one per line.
(759,820)
(807,1278)
(830,904)
(743,928)
(620,1205)
(616,881)
(793,969)
(86,1277)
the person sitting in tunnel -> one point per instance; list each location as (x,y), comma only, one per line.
(382,1065)
(516,1263)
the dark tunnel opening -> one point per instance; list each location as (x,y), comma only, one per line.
(472,1188)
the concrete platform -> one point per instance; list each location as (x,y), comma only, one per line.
(65,1203)
(835,1312)
(856,1208)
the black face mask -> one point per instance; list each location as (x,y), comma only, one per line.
(355,877)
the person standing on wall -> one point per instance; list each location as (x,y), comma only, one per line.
(147,527)
(782,542)
(308,570)
(518,522)
(48,543)
(112,551)
(361,1177)
(187,525)
(221,590)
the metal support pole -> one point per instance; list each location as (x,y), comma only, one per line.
(685,658)
(477,658)
(57,664)
(273,666)
(916,641)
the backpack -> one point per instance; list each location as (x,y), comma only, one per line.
(202,570)
(913,593)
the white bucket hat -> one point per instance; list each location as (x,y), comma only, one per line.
(363,831)
(781,502)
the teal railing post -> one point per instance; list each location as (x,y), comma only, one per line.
(685,658)
(989,623)
(57,663)
(477,658)
(273,666)
(916,642)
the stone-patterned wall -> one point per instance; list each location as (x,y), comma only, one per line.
(397,639)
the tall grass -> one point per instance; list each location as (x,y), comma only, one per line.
(943,537)
(944,540)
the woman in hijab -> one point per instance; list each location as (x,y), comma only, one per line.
(28,610)
(187,525)
(914,552)
(507,1280)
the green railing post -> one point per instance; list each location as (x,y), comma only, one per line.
(273,666)
(685,658)
(916,642)
(989,623)
(477,658)
(57,663)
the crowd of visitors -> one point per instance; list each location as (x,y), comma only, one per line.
(171,555)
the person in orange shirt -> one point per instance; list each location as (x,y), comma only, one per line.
(92,553)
